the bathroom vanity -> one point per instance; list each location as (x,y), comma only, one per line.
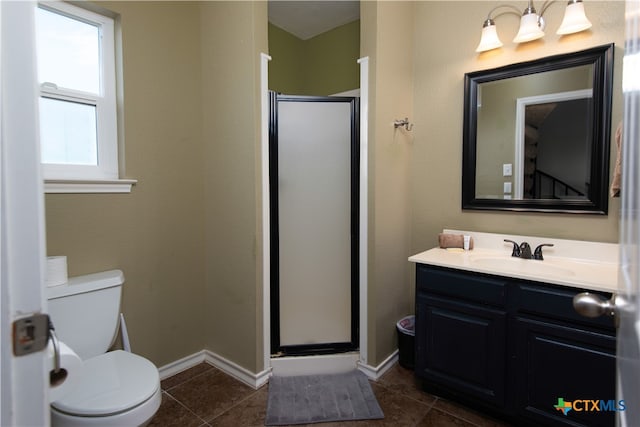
(500,334)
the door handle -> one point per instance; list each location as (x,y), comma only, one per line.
(593,305)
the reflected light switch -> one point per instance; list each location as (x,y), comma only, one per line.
(507,188)
(506,169)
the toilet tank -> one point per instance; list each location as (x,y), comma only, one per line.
(84,311)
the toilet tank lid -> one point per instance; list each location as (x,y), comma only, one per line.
(86,283)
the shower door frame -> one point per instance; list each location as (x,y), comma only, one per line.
(278,350)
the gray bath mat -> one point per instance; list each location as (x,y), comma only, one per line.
(321,398)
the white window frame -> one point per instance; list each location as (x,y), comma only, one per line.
(103,177)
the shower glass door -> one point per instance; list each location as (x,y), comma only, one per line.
(314,213)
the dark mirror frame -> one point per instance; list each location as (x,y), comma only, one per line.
(601,58)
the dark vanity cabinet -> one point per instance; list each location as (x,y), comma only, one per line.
(514,348)
(467,326)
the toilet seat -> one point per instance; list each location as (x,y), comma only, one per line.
(111,383)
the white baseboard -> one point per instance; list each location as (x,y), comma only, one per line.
(313,365)
(375,372)
(180,365)
(236,371)
(333,363)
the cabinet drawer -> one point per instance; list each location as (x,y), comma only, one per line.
(554,302)
(467,286)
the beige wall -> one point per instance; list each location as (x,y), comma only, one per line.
(187,234)
(384,27)
(233,35)
(415,180)
(437,149)
(155,234)
(188,237)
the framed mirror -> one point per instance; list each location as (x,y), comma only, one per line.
(536,135)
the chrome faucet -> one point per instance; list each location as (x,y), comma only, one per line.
(524,250)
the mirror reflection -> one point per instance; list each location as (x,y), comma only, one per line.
(538,124)
(536,134)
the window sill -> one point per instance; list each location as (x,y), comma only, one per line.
(61,186)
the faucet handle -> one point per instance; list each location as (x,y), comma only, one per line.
(516,248)
(537,254)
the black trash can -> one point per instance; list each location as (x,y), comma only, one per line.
(406,341)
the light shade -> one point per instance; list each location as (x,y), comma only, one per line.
(529,28)
(574,19)
(489,39)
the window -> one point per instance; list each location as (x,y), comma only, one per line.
(76,73)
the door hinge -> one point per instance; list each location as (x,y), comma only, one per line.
(30,334)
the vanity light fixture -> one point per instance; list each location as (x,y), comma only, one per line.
(532,24)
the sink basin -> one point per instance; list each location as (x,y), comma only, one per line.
(524,266)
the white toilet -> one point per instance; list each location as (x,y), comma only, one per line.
(117,388)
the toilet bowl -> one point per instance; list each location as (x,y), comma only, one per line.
(115,388)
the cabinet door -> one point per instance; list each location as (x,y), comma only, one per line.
(462,347)
(563,362)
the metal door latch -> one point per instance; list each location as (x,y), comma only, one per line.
(30,334)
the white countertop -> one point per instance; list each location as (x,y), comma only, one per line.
(589,265)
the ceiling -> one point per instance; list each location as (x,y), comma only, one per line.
(306,19)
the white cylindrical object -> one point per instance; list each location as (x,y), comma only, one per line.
(56,271)
(467,242)
(71,371)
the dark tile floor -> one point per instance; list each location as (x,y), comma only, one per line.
(206,396)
